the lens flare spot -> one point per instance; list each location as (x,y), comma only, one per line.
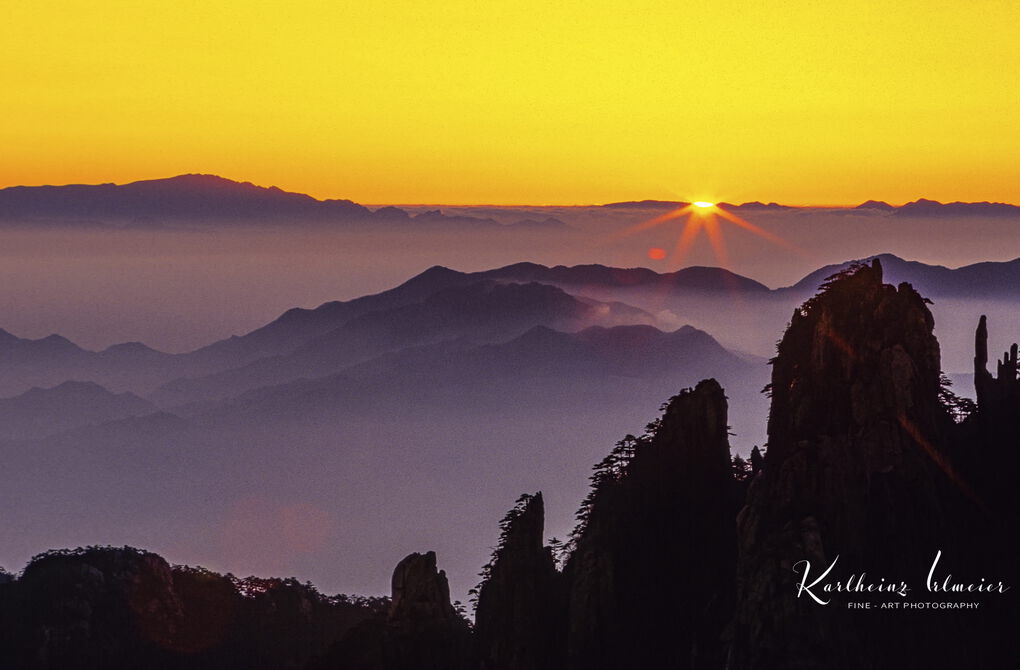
(656,254)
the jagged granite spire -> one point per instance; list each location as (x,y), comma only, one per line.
(420,591)
(857,468)
(988,449)
(520,618)
(1001,392)
(422,630)
(651,572)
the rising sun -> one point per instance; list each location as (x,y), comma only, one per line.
(702,216)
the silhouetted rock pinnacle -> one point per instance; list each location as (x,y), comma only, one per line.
(873,468)
(420,591)
(422,630)
(857,468)
(519,621)
(655,554)
(988,450)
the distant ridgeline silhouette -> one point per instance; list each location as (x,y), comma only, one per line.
(210,198)
(207,198)
(682,556)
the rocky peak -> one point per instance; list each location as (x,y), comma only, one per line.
(987,441)
(422,630)
(858,356)
(1002,390)
(654,553)
(118,605)
(519,620)
(420,591)
(857,468)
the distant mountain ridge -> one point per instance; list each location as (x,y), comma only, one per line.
(54,359)
(925,207)
(206,197)
(694,278)
(133,366)
(183,196)
(533,373)
(39,412)
(998,279)
(920,207)
(670,204)
(476,311)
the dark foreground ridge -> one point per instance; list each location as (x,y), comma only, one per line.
(682,556)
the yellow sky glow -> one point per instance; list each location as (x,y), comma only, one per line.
(526,102)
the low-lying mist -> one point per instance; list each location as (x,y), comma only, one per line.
(177,290)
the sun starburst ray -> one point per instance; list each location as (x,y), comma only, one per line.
(687,237)
(652,223)
(757,230)
(715,238)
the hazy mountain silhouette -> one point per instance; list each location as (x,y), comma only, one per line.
(298,326)
(870,459)
(755,205)
(645,204)
(978,281)
(746,313)
(194,198)
(414,420)
(311,342)
(673,204)
(920,207)
(482,311)
(205,198)
(687,279)
(507,372)
(189,196)
(49,361)
(934,208)
(39,412)
(875,204)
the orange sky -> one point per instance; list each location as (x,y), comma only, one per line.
(802,101)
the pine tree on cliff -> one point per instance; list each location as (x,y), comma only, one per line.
(520,615)
(650,573)
(859,466)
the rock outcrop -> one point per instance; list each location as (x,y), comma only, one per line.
(420,592)
(422,630)
(650,576)
(988,451)
(520,616)
(682,559)
(858,469)
(988,444)
(124,609)
(113,608)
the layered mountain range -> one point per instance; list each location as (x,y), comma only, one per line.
(210,198)
(443,304)
(206,198)
(427,388)
(682,555)
(498,332)
(424,388)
